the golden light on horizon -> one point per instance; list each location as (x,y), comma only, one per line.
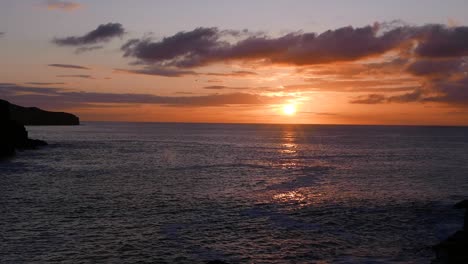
(289,109)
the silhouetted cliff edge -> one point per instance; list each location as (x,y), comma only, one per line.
(33,116)
(454,249)
(13,135)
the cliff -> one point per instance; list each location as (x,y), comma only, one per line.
(33,116)
(13,135)
(454,249)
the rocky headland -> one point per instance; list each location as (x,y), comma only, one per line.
(13,135)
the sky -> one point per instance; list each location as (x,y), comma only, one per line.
(312,62)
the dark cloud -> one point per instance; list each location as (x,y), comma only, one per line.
(215,87)
(11,89)
(446,92)
(354,70)
(62,5)
(83,76)
(438,59)
(192,43)
(69,66)
(369,99)
(45,83)
(232,74)
(359,83)
(442,41)
(86,49)
(449,91)
(103,33)
(377,89)
(436,67)
(158,71)
(56,98)
(389,85)
(434,55)
(208,45)
(177,72)
(412,96)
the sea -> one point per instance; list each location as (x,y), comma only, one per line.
(108,192)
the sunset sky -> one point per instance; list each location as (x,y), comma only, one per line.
(317,62)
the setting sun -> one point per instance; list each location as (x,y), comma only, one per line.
(289,109)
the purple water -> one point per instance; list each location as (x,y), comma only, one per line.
(189,193)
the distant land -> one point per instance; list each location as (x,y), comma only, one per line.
(33,116)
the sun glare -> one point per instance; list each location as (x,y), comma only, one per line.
(289,109)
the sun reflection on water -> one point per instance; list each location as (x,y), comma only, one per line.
(291,192)
(301,197)
(289,145)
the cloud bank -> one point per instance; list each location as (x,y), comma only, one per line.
(203,46)
(60,98)
(83,76)
(433,55)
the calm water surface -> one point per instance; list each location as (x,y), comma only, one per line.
(188,193)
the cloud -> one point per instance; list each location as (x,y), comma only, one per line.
(62,5)
(69,66)
(177,72)
(83,76)
(203,46)
(11,89)
(442,80)
(369,99)
(221,87)
(87,49)
(446,92)
(433,56)
(45,83)
(57,98)
(158,71)
(436,67)
(392,62)
(342,87)
(103,33)
(442,41)
(232,74)
(214,81)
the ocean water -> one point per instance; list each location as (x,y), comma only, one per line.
(190,193)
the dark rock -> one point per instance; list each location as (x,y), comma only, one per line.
(33,116)
(454,249)
(216,262)
(464,205)
(461,205)
(13,135)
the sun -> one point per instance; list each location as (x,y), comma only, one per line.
(289,109)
